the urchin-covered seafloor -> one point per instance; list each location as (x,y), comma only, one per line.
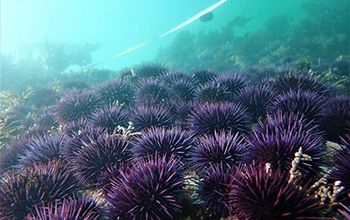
(157,143)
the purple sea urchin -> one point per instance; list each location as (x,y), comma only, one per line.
(182,90)
(150,70)
(203,76)
(279,148)
(109,118)
(298,102)
(163,142)
(144,117)
(341,172)
(345,141)
(335,120)
(259,75)
(78,139)
(20,192)
(182,111)
(234,82)
(281,122)
(256,99)
(216,117)
(212,92)
(41,150)
(151,89)
(221,149)
(345,211)
(150,190)
(258,193)
(97,154)
(77,105)
(173,76)
(285,83)
(10,154)
(213,190)
(75,127)
(110,173)
(47,119)
(83,208)
(115,91)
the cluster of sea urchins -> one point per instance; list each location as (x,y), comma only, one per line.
(155,142)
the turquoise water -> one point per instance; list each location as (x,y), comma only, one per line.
(42,40)
(118,25)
